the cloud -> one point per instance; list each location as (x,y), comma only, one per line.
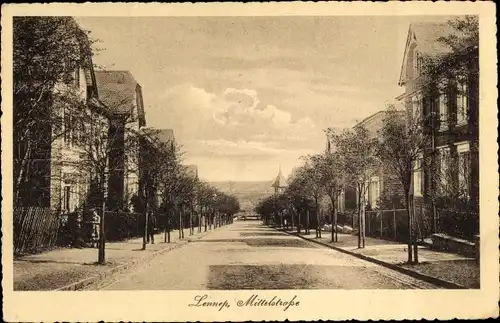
(228,148)
(238,113)
(242,106)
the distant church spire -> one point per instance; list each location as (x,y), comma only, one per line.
(279,183)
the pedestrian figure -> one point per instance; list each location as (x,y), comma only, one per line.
(95,221)
(151,228)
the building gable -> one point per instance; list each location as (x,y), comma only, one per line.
(425,36)
(121,93)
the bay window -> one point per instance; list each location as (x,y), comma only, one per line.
(416,104)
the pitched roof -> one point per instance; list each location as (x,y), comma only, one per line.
(118,90)
(280,181)
(374,122)
(426,36)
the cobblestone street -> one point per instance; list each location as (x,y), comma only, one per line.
(248,255)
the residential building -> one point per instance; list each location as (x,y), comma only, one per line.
(384,188)
(57,178)
(122,96)
(450,115)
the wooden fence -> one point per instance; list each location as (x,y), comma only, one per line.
(35,229)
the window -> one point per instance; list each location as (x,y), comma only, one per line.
(341,202)
(417,63)
(75,132)
(417,177)
(464,169)
(416,103)
(70,192)
(374,193)
(77,77)
(444,171)
(66,198)
(462,103)
(443,111)
(67,131)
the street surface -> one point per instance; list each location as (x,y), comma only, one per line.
(249,255)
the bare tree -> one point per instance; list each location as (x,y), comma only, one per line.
(48,54)
(403,143)
(332,179)
(312,173)
(357,154)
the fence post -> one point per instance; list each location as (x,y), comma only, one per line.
(381,224)
(422,219)
(369,223)
(394,219)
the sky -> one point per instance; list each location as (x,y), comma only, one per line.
(248,95)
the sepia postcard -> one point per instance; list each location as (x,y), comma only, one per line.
(249,161)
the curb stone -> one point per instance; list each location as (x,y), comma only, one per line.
(94,280)
(429,279)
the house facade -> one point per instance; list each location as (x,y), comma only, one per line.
(383,189)
(450,180)
(122,96)
(55,176)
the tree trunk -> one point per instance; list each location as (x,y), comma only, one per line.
(180,223)
(199,221)
(20,175)
(168,227)
(183,213)
(102,237)
(364,223)
(205,222)
(307,221)
(359,219)
(408,211)
(102,233)
(165,226)
(334,219)
(190,223)
(145,236)
(298,222)
(317,216)
(415,235)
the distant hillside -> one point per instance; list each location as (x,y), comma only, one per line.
(248,193)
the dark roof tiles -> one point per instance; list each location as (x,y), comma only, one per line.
(117,90)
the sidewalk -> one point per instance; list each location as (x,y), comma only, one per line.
(62,267)
(447,269)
